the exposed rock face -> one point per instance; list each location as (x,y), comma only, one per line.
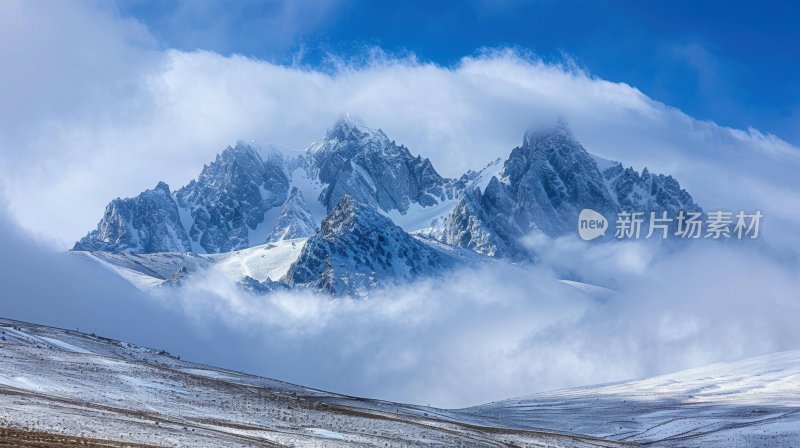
(356,248)
(267,286)
(149,222)
(551,178)
(647,192)
(543,186)
(364,164)
(214,213)
(295,220)
(231,196)
(483,222)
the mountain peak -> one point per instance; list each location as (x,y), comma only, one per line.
(351,121)
(149,222)
(353,129)
(265,152)
(552,177)
(162,186)
(560,130)
(241,149)
(347,214)
(231,196)
(365,164)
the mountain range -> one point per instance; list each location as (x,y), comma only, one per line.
(384,214)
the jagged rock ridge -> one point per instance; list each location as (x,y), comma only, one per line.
(364,164)
(231,197)
(543,186)
(149,222)
(215,213)
(356,248)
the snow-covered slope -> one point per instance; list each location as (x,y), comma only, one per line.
(267,261)
(429,221)
(357,248)
(752,402)
(57,383)
(148,270)
(62,388)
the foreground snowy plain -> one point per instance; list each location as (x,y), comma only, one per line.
(100,392)
(63,388)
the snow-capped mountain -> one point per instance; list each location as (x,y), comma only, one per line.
(357,248)
(543,186)
(249,197)
(550,178)
(220,211)
(227,204)
(364,164)
(147,223)
(235,202)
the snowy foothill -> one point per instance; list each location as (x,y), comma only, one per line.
(118,393)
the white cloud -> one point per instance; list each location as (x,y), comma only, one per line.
(104,113)
(476,335)
(246,26)
(483,334)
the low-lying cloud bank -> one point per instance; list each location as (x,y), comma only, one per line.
(496,331)
(475,335)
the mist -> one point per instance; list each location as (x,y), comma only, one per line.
(474,335)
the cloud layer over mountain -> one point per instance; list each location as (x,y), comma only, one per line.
(95,109)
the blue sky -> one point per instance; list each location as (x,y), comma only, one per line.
(730,62)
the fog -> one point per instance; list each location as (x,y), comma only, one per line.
(471,336)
